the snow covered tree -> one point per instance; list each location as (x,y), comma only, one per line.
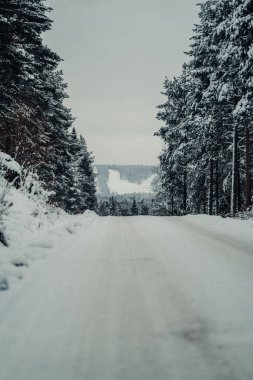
(87,178)
(208,115)
(113,206)
(134,208)
(81,194)
(34,123)
(124,205)
(173,161)
(23,60)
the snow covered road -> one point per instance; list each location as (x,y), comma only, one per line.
(136,298)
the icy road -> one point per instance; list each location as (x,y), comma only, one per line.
(141,298)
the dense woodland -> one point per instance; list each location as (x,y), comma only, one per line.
(125,205)
(206,164)
(36,129)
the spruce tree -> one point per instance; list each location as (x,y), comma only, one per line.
(87,178)
(208,125)
(134,208)
(34,122)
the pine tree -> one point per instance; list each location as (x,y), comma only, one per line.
(24,58)
(113,206)
(87,178)
(175,158)
(208,115)
(134,208)
(34,123)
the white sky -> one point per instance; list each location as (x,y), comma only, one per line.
(116,55)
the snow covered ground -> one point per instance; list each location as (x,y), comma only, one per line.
(33,230)
(121,186)
(135,298)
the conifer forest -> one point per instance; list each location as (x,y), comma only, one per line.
(126,190)
(36,128)
(206,165)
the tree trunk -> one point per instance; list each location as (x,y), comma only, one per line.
(239,195)
(8,139)
(185,192)
(234,187)
(204,199)
(211,185)
(217,208)
(248,186)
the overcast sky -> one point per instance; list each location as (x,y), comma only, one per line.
(116,55)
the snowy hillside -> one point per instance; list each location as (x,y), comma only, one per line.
(121,186)
(125,179)
(30,228)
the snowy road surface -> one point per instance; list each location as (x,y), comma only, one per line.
(138,298)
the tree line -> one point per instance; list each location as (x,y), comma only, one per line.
(36,128)
(206,165)
(124,205)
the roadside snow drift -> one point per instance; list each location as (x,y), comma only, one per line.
(33,230)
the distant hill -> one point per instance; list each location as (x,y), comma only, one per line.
(125,179)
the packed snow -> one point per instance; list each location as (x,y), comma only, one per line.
(137,298)
(117,185)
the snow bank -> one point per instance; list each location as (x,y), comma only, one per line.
(232,231)
(8,163)
(33,230)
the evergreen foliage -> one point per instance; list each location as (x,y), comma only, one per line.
(134,208)
(120,205)
(206,164)
(34,122)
